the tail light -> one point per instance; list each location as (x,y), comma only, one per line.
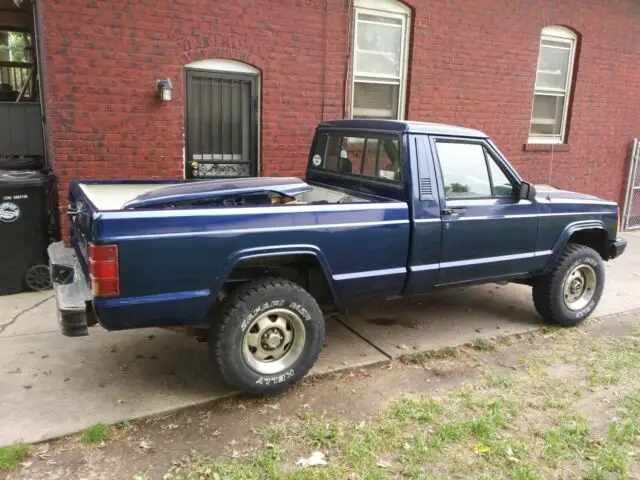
(103,270)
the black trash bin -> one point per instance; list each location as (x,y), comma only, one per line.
(24,231)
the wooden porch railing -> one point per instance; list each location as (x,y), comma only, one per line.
(19,76)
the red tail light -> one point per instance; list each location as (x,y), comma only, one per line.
(103,270)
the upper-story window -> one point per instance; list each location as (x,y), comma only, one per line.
(380,48)
(553,85)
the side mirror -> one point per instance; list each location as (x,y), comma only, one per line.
(527,191)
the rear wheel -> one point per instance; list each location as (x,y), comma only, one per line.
(572,291)
(268,336)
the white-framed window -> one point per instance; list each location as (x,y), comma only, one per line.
(552,91)
(380,48)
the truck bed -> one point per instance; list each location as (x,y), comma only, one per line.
(118,196)
(113,196)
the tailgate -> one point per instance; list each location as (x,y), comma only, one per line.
(80,212)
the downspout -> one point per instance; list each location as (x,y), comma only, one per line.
(347,74)
(39,61)
(324,60)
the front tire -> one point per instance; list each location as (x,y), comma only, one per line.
(572,291)
(269,335)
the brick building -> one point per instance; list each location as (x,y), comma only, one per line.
(554,82)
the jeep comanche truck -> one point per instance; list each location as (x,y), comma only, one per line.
(388,208)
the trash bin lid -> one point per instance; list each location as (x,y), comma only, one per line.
(18,178)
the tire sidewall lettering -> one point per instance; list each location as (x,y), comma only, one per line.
(265,306)
(276,379)
(296,307)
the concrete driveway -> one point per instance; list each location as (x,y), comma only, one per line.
(51,385)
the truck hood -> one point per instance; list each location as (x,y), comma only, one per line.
(547,192)
(205,189)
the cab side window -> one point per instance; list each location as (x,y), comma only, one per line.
(468,171)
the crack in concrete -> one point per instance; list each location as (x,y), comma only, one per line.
(20,313)
(337,318)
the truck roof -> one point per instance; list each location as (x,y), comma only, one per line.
(404,126)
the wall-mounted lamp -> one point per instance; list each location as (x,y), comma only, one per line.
(164,90)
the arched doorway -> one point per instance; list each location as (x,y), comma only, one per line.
(221,119)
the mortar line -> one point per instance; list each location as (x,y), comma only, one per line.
(19,314)
(359,335)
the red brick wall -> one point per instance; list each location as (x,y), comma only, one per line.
(472,63)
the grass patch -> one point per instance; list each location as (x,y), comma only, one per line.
(420,358)
(13,455)
(273,434)
(566,441)
(126,426)
(500,381)
(319,432)
(525,472)
(422,409)
(482,344)
(96,434)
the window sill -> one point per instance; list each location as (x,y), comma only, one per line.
(546,147)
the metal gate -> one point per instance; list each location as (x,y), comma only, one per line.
(221,125)
(631,212)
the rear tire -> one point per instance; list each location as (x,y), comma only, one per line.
(572,291)
(268,336)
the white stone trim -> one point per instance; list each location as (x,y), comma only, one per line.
(389,6)
(223,65)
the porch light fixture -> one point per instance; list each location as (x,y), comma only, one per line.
(164,89)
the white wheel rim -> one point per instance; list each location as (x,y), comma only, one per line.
(579,287)
(273,341)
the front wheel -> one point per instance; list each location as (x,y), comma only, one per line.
(572,291)
(268,337)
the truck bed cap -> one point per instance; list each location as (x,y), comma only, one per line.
(189,191)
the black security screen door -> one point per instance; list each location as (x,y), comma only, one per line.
(221,125)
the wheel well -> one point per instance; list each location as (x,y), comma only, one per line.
(303,269)
(595,238)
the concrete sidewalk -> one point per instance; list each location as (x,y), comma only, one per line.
(51,385)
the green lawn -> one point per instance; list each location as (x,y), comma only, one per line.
(569,410)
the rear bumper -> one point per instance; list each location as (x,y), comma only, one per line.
(71,291)
(617,247)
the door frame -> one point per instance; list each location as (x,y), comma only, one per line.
(238,71)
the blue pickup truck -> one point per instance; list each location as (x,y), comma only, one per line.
(387,208)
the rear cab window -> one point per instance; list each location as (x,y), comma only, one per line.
(374,157)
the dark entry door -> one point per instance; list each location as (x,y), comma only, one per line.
(221,125)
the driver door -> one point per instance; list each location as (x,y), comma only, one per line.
(487,231)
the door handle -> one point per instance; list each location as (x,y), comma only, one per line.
(452,212)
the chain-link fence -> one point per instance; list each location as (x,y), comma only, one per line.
(631,214)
